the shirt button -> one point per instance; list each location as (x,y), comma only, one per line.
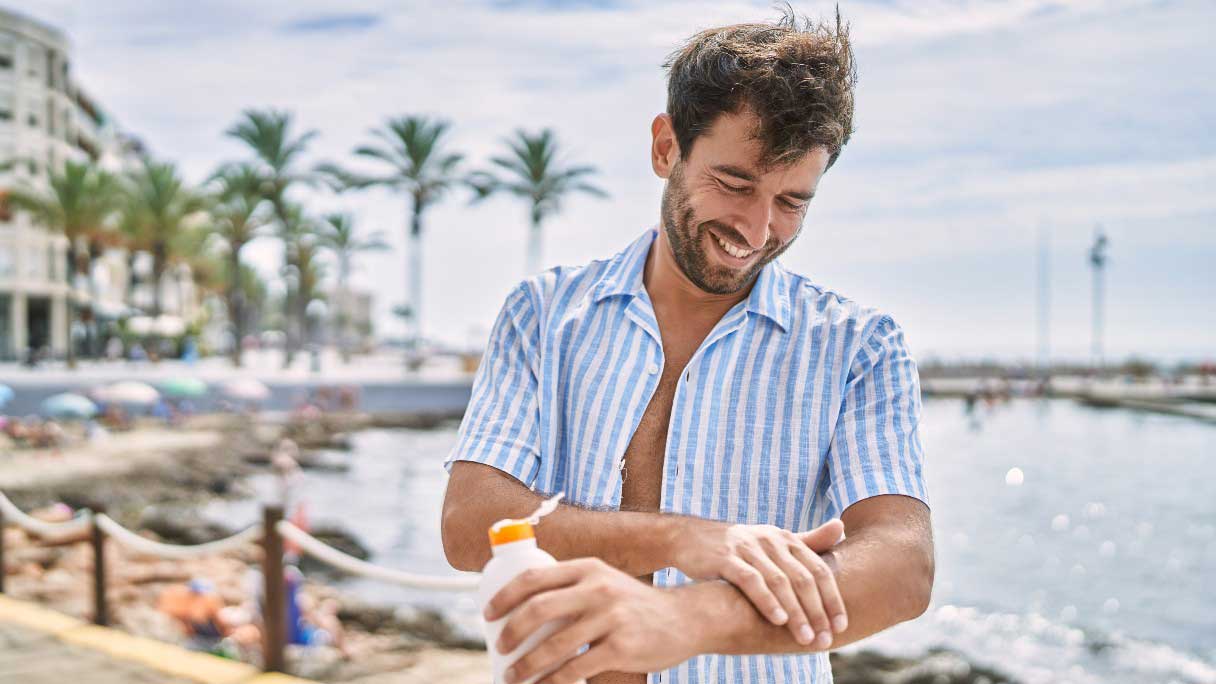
(654,368)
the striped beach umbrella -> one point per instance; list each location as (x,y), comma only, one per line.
(185,388)
(68,405)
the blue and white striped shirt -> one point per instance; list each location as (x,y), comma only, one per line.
(797,404)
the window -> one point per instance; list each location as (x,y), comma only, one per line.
(6,61)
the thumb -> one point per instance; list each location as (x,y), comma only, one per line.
(825,536)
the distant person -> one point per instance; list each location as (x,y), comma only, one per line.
(707,412)
(114,348)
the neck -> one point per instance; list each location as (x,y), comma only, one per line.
(670,288)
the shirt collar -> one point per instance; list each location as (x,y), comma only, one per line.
(623,277)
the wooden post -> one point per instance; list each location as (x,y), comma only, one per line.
(274,608)
(100,614)
(2,568)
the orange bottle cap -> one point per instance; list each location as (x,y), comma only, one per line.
(507,531)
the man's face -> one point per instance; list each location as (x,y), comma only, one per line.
(724,215)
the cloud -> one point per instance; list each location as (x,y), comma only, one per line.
(327,23)
(977,122)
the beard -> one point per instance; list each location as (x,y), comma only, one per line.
(690,246)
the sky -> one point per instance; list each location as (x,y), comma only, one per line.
(983,129)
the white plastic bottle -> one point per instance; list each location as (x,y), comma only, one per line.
(514,549)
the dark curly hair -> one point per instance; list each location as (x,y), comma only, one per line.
(796,75)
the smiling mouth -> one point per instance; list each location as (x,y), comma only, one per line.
(736,252)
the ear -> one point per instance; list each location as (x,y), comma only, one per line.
(664,150)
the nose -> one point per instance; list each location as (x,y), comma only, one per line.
(754,222)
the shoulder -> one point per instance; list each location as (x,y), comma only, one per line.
(559,289)
(816,306)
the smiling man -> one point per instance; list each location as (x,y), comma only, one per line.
(716,422)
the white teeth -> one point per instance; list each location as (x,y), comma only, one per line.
(734,251)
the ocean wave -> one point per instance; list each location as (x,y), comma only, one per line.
(1035,649)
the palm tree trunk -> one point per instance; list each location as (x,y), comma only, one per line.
(70,306)
(414,335)
(236,308)
(344,327)
(533,261)
(159,255)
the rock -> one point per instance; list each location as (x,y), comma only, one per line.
(333,535)
(181,526)
(938,666)
(422,624)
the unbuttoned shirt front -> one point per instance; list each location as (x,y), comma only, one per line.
(797,404)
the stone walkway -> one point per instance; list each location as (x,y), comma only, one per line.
(32,657)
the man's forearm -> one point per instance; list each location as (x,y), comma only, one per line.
(636,543)
(884,577)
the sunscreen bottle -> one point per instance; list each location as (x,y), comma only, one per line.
(513,548)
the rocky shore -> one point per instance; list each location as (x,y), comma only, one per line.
(210,458)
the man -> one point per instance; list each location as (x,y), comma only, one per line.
(708,414)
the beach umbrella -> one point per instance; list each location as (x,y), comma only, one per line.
(168,326)
(6,394)
(68,405)
(183,387)
(127,392)
(140,325)
(246,389)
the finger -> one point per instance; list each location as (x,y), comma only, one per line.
(779,583)
(529,582)
(825,582)
(749,581)
(807,590)
(559,647)
(825,536)
(597,659)
(539,609)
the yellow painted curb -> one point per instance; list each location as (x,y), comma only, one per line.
(157,655)
(278,678)
(35,617)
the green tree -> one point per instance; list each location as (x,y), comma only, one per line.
(531,171)
(80,202)
(240,214)
(337,234)
(278,152)
(418,166)
(159,209)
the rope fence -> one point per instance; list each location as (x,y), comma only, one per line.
(96,526)
(354,566)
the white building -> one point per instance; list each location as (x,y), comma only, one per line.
(45,119)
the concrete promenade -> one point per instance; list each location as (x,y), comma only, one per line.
(39,646)
(384,383)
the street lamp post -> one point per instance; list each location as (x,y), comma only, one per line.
(1097,261)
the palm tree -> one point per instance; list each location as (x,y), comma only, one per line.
(159,209)
(79,202)
(239,216)
(412,147)
(533,173)
(298,233)
(311,272)
(338,236)
(268,133)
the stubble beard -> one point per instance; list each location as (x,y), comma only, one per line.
(687,240)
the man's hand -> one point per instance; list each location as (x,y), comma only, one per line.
(779,571)
(631,626)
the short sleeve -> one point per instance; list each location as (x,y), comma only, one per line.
(501,424)
(876,447)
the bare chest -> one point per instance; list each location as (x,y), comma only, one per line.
(641,489)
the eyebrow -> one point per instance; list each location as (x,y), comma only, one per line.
(745,175)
